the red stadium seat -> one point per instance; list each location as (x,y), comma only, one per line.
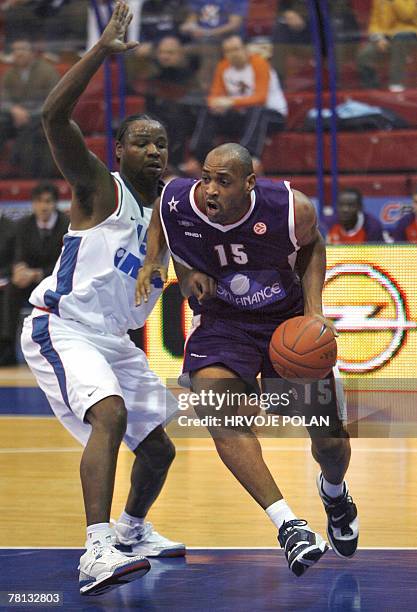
(3,68)
(362,9)
(6,167)
(90,112)
(370,185)
(96,85)
(97,144)
(389,151)
(376,185)
(17,189)
(261,17)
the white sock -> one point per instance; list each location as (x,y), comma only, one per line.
(279,512)
(132,521)
(101,532)
(332,490)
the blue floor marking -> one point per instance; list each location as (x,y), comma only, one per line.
(24,400)
(228,581)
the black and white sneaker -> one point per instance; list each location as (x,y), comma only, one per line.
(302,546)
(342,520)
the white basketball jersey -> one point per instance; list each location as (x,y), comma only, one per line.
(94,279)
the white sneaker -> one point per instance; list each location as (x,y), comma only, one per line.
(103,568)
(145,541)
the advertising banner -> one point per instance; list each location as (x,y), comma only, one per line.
(371,293)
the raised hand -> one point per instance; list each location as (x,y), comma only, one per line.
(113,37)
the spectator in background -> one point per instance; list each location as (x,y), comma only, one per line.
(406,228)
(152,21)
(53,25)
(216,19)
(392,31)
(245,102)
(172,94)
(7,240)
(104,12)
(207,24)
(25,87)
(292,36)
(292,27)
(156,19)
(352,225)
(38,245)
(159,19)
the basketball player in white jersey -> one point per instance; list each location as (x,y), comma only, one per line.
(75,341)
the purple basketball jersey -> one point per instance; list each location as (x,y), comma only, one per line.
(252,260)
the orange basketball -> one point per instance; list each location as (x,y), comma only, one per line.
(303,348)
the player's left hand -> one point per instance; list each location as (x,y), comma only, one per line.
(327,322)
(144,281)
(113,37)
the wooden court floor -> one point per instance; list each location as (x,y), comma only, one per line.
(201,504)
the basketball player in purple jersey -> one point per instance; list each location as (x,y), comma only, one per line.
(248,255)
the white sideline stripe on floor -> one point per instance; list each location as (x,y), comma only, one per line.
(71,449)
(203,548)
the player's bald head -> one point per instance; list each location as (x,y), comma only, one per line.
(234,156)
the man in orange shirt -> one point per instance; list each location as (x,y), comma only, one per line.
(245,102)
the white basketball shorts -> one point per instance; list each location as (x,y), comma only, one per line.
(76,367)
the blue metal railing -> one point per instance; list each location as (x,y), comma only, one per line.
(321,29)
(108,97)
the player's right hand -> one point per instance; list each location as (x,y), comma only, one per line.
(113,37)
(144,281)
(202,286)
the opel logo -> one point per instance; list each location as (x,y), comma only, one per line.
(364,317)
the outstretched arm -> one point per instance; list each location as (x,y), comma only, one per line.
(311,258)
(87,175)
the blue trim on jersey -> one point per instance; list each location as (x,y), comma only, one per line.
(65,274)
(40,335)
(134,193)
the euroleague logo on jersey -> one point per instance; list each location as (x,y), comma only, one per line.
(260,228)
(378,306)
